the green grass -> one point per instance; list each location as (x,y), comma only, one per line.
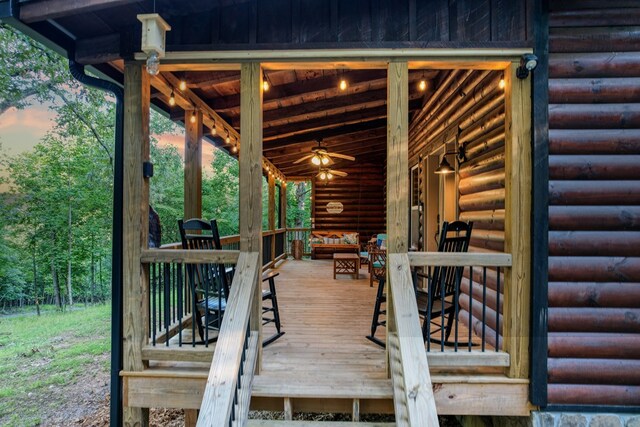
(38,353)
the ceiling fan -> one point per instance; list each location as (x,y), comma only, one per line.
(320,156)
(327,174)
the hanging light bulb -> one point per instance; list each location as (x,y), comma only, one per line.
(183,85)
(422,85)
(234,148)
(172,99)
(329,175)
(343,84)
(325,160)
(265,85)
(502,84)
(316,160)
(153,64)
(323,175)
(228,138)
(214,131)
(193,116)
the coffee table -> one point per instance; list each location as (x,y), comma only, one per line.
(346,264)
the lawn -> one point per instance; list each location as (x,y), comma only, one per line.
(42,358)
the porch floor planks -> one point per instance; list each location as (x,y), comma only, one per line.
(325,323)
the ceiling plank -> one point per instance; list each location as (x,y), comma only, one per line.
(52,9)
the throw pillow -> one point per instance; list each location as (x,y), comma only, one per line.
(350,238)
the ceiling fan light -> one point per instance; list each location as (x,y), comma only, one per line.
(323,175)
(325,160)
(316,160)
(329,175)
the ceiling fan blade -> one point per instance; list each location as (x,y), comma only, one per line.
(338,173)
(341,156)
(308,156)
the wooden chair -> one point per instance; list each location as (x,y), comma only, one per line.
(271,295)
(379,269)
(441,298)
(209,283)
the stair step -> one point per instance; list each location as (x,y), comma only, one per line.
(267,385)
(261,423)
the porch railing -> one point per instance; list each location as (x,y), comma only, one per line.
(228,390)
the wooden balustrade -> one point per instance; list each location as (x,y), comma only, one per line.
(229,376)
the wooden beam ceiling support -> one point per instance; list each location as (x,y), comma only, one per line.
(53,9)
(327,133)
(187,100)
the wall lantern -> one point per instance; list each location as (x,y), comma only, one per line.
(154,29)
(445,167)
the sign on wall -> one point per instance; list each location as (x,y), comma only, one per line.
(335,207)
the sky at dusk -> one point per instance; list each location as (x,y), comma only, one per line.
(21,130)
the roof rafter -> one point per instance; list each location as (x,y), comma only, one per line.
(52,9)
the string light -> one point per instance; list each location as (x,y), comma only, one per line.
(214,131)
(234,148)
(502,84)
(343,85)
(183,85)
(172,99)
(193,116)
(422,85)
(228,138)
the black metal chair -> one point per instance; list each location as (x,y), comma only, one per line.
(271,295)
(378,269)
(441,298)
(209,283)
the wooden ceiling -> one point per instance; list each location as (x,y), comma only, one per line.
(304,106)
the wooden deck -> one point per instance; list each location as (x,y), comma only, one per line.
(325,323)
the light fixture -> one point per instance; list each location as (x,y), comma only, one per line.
(228,138)
(325,160)
(323,175)
(172,99)
(183,85)
(343,84)
(193,116)
(502,84)
(329,175)
(446,168)
(214,131)
(528,62)
(154,29)
(316,160)
(422,85)
(234,148)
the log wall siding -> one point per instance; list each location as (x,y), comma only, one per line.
(362,195)
(470,104)
(594,198)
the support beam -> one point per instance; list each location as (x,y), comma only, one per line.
(135,227)
(53,9)
(517,226)
(193,164)
(283,205)
(251,180)
(271,212)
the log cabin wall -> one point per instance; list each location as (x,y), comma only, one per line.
(594,198)
(469,106)
(362,195)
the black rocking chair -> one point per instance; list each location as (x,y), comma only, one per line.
(378,268)
(271,295)
(441,299)
(209,283)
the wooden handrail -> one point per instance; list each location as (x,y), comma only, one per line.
(189,256)
(459,259)
(413,392)
(218,401)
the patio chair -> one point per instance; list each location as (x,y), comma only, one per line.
(209,283)
(271,295)
(441,298)
(379,269)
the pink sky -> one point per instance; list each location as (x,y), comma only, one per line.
(21,130)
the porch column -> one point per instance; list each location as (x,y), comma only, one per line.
(517,221)
(193,164)
(135,227)
(271,180)
(283,205)
(251,179)
(397,168)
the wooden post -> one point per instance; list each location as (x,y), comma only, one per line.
(251,179)
(271,181)
(517,226)
(283,205)
(193,164)
(397,167)
(135,227)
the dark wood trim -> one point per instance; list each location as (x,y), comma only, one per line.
(540,212)
(593,408)
(53,9)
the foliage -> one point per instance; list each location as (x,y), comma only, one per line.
(39,357)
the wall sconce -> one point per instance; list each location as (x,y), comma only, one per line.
(154,30)
(445,168)
(147,169)
(528,62)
